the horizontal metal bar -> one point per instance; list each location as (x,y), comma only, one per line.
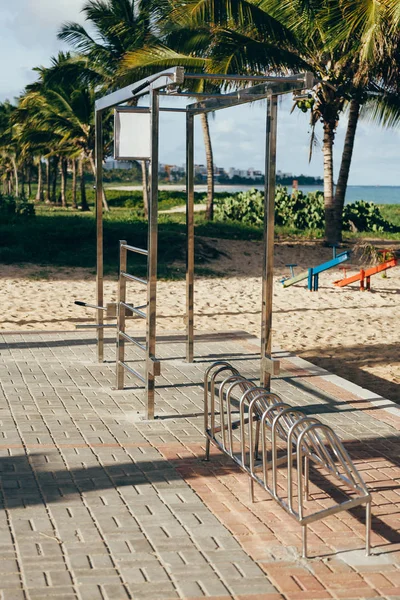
(134,310)
(146,109)
(133,278)
(131,339)
(141,87)
(226,77)
(134,249)
(135,373)
(94,326)
(86,305)
(243,96)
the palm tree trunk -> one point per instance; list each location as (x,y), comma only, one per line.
(23,173)
(39,193)
(29,180)
(93,165)
(210,167)
(14,164)
(145,182)
(341,187)
(48,182)
(54,180)
(331,234)
(74,205)
(84,203)
(64,182)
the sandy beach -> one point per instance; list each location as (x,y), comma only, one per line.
(354,334)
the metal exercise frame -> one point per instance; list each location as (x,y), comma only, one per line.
(262,417)
(169,82)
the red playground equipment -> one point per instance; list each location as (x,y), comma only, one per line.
(365,275)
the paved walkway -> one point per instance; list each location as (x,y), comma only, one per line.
(98,504)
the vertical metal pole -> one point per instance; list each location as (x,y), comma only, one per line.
(152,256)
(99,232)
(120,371)
(269,220)
(190,238)
(368,529)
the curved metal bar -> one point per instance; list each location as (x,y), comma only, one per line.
(242,401)
(223,367)
(303,421)
(236,380)
(274,427)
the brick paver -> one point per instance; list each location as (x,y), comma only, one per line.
(97,503)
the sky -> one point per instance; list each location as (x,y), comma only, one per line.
(29,39)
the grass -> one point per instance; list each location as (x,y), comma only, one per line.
(60,237)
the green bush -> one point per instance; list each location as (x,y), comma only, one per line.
(365,216)
(299,210)
(11,207)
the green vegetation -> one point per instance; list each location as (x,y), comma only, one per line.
(301,212)
(62,237)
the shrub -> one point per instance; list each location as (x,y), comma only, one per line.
(365,216)
(299,210)
(11,207)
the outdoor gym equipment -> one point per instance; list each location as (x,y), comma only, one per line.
(366,274)
(136,137)
(288,437)
(312,274)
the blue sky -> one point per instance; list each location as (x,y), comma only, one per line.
(28,39)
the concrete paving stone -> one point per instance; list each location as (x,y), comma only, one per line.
(16,593)
(151,591)
(115,592)
(65,593)
(9,580)
(189,589)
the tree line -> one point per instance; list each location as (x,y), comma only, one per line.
(351,47)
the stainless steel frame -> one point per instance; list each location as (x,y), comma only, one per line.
(168,81)
(286,430)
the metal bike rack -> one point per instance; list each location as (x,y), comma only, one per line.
(152,365)
(287,436)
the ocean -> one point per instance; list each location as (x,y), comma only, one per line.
(379,194)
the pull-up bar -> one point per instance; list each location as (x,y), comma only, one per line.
(169,82)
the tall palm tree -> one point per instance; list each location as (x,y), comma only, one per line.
(61,110)
(253,36)
(117,26)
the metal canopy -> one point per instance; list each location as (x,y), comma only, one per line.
(169,83)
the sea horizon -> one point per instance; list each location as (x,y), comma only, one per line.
(379,194)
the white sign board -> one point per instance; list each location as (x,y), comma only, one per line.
(132,135)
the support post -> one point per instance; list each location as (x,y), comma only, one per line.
(99,233)
(190,237)
(152,256)
(121,315)
(268,258)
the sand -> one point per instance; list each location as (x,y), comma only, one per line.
(351,333)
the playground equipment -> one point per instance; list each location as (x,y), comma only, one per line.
(137,138)
(288,436)
(366,274)
(312,274)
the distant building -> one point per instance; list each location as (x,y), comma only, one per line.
(111,164)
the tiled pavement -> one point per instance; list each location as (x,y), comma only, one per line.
(98,504)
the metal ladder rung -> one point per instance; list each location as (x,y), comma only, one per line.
(133,278)
(134,249)
(131,339)
(135,373)
(134,309)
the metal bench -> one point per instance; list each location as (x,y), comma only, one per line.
(261,433)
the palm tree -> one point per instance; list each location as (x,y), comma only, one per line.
(118,26)
(9,141)
(60,109)
(250,36)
